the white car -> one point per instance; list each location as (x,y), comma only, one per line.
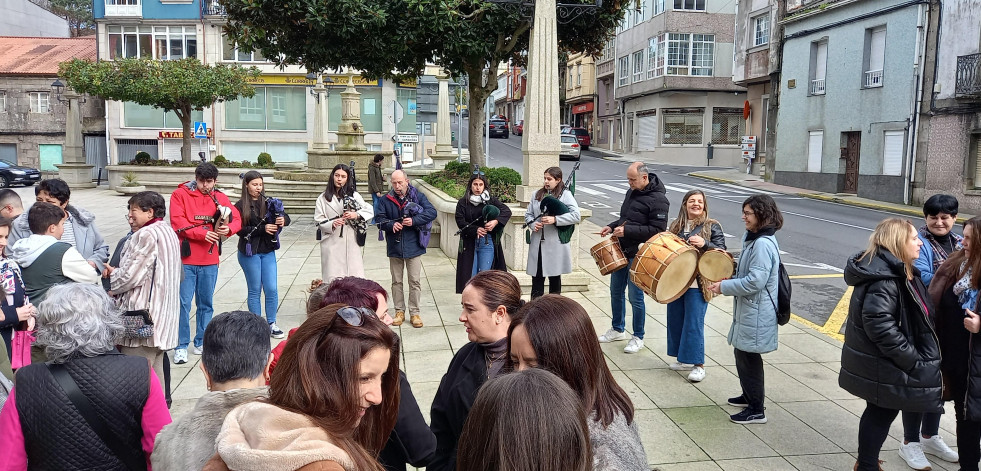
(570,147)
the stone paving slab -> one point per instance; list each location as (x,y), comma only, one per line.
(813,424)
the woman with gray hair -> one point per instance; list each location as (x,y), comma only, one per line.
(89,406)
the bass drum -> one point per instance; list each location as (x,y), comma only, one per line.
(664,267)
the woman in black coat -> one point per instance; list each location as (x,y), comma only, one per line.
(890,357)
(480,241)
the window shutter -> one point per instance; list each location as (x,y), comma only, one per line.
(892,153)
(648,132)
(815,147)
(877,49)
(977,160)
(821,61)
(172,149)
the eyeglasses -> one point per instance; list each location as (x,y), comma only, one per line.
(354,316)
(748,213)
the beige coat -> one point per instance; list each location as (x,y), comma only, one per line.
(154,248)
(340,254)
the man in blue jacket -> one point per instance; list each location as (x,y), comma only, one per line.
(406,216)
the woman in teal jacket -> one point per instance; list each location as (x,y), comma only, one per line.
(754,314)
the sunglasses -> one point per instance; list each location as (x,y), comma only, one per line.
(354,316)
(478,173)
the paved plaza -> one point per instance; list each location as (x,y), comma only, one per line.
(813,424)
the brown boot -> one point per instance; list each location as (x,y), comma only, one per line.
(416,320)
(399,318)
(855,468)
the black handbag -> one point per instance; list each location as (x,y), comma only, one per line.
(138,324)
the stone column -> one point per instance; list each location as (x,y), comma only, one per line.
(320,131)
(444,149)
(74,170)
(540,141)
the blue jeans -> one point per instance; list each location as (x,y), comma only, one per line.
(374,206)
(260,276)
(483,258)
(686,327)
(199,281)
(620,280)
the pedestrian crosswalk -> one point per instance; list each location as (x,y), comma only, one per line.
(612,189)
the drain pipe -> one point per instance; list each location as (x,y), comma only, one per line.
(919,57)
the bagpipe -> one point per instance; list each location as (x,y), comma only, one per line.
(349,204)
(274,209)
(552,206)
(221,217)
(487,214)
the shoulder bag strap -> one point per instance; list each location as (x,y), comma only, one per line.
(91,417)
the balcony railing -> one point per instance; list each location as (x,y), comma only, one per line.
(124,8)
(604,68)
(873,78)
(968,83)
(211,8)
(817,87)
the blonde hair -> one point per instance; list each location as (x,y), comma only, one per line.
(892,235)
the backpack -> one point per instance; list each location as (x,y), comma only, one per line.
(784,290)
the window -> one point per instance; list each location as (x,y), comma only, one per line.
(623,71)
(655,57)
(608,49)
(892,152)
(761,29)
(157,42)
(728,126)
(3,101)
(578,75)
(976,153)
(815,147)
(695,5)
(272,108)
(174,42)
(39,102)
(130,41)
(875,52)
(819,66)
(638,66)
(658,7)
(142,116)
(690,54)
(683,126)
(231,53)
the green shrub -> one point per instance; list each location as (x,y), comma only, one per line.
(246,164)
(220,159)
(142,158)
(453,180)
(265,159)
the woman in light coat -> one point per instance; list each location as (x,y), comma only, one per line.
(547,255)
(754,314)
(340,209)
(148,277)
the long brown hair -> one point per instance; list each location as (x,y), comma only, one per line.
(498,288)
(556,173)
(247,199)
(523,421)
(891,235)
(682,220)
(565,343)
(973,261)
(318,376)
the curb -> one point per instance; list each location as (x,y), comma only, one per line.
(881,207)
(715,179)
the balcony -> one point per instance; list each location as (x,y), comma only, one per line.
(817,87)
(873,78)
(968,82)
(124,8)
(212,8)
(604,69)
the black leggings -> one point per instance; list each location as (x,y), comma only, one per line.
(873,429)
(749,368)
(538,281)
(968,437)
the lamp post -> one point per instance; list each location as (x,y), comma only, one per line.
(320,123)
(73,169)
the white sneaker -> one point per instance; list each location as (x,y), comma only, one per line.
(195,349)
(935,446)
(677,366)
(913,454)
(634,345)
(697,374)
(180,356)
(613,336)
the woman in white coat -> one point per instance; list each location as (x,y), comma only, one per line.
(340,211)
(548,256)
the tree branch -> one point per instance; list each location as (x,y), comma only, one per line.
(522,29)
(473,14)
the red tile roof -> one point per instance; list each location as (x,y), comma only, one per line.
(40,56)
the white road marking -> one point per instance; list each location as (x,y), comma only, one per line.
(587,191)
(749,189)
(829,267)
(674,188)
(608,187)
(828,220)
(703,188)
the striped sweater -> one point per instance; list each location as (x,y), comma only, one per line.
(153,248)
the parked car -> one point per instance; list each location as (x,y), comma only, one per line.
(583,135)
(518,128)
(497,127)
(13,174)
(570,147)
(564,128)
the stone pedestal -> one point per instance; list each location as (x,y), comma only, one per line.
(74,171)
(444,151)
(320,115)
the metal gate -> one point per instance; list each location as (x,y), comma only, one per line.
(8,152)
(127,148)
(95,154)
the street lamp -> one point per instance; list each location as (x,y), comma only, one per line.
(314,91)
(59,88)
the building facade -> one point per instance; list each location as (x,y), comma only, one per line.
(606,128)
(847,116)
(25,18)
(32,113)
(756,66)
(580,92)
(673,81)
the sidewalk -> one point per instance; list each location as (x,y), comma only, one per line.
(813,424)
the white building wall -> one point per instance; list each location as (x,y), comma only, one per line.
(23,18)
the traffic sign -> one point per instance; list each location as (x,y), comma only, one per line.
(200,130)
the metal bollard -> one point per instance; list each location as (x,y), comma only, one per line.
(709,151)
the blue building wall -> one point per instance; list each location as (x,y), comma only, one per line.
(157,10)
(847,105)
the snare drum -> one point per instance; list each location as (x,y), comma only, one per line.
(608,256)
(716,265)
(664,267)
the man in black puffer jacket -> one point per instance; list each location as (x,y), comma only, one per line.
(644,213)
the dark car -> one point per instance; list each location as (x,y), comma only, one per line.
(583,136)
(498,127)
(519,127)
(13,174)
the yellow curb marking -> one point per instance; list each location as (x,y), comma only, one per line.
(820,275)
(831,327)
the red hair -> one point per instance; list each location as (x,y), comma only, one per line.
(353,291)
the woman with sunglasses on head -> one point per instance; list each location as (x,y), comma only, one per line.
(686,315)
(333,400)
(554,333)
(488,300)
(548,256)
(480,236)
(754,313)
(257,243)
(340,210)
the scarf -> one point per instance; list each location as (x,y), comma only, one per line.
(766,231)
(480,199)
(966,294)
(939,253)
(494,353)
